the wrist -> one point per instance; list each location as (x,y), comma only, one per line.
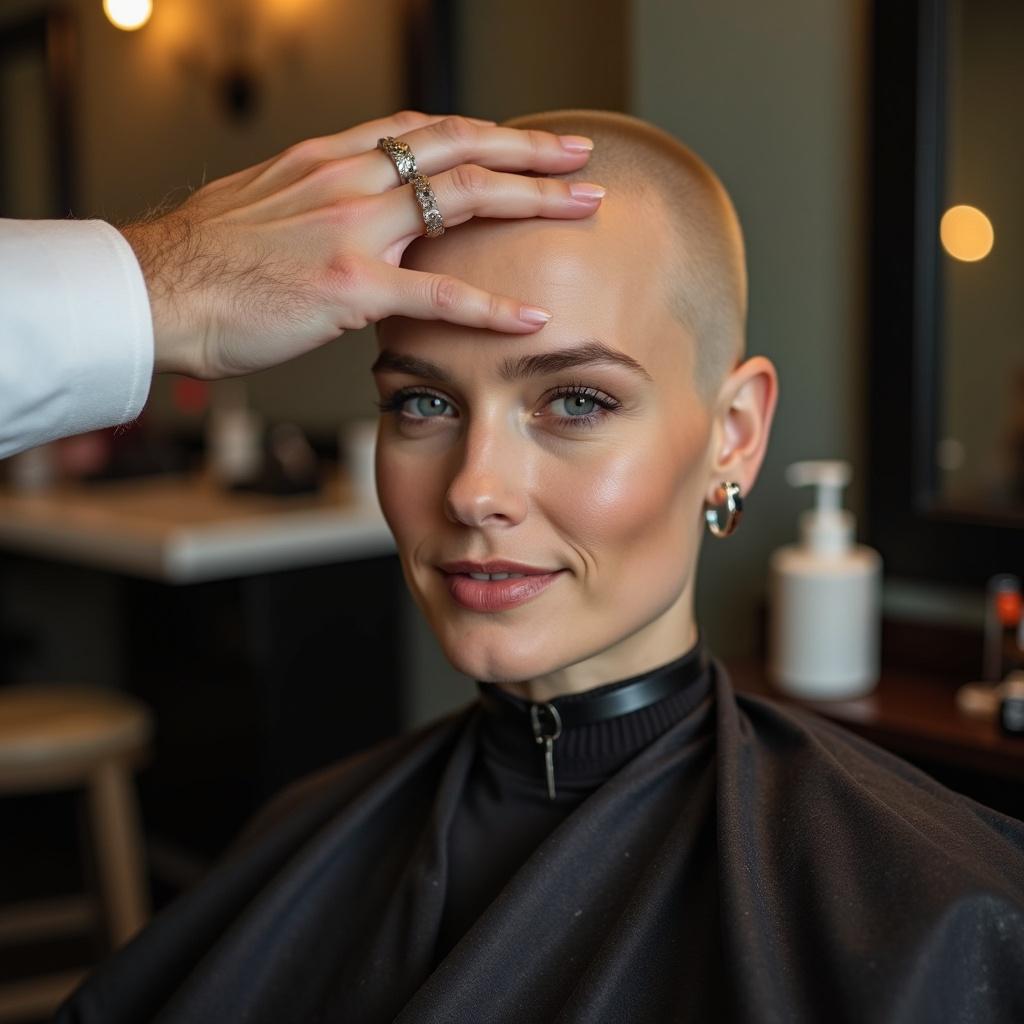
(161,247)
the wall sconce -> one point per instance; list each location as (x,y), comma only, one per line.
(229,46)
(966,233)
(128,15)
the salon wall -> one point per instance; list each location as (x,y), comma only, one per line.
(577,52)
(774,98)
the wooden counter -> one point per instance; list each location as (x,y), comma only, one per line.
(915,716)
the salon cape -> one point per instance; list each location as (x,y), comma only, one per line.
(753,863)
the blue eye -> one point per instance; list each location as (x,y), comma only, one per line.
(415,405)
(584,406)
(426,405)
(578,405)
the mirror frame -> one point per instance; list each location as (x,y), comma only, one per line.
(916,535)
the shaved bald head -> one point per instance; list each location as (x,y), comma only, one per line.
(706,281)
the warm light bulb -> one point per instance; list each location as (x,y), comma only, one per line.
(966,233)
(128,14)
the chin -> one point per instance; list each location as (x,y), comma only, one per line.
(537,639)
(506,647)
(496,655)
(504,653)
(493,650)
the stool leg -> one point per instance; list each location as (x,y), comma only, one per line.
(118,840)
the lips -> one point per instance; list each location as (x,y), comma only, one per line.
(495,566)
(496,595)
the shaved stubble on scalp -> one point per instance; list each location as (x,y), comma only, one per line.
(706,281)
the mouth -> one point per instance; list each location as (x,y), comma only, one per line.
(496,586)
(493,570)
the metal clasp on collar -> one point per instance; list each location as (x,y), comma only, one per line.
(547,727)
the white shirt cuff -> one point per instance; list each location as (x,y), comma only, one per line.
(76,332)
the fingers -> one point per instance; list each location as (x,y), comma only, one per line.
(423,296)
(471,191)
(321,171)
(364,137)
(458,140)
(297,160)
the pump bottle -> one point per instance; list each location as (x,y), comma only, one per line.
(824,597)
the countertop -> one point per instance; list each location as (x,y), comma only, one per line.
(185,529)
(912,713)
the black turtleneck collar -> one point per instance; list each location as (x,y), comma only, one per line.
(587,751)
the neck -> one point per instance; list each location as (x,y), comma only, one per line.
(668,637)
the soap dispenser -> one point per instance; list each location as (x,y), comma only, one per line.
(824,597)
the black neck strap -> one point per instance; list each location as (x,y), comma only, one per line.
(549,719)
(607,701)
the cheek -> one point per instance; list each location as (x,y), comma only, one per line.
(408,488)
(633,505)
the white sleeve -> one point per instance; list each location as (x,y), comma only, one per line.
(76,333)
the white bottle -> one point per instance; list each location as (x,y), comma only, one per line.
(234,436)
(824,597)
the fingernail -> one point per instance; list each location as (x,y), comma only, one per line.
(534,315)
(576,143)
(586,190)
(480,120)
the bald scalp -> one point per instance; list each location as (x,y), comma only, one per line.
(706,283)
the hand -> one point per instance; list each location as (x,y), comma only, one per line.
(268,263)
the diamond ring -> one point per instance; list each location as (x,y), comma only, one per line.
(401,157)
(428,204)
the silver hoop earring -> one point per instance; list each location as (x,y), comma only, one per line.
(734,503)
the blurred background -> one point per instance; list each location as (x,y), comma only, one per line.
(223,561)
(773,99)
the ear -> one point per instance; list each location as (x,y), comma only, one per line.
(742,423)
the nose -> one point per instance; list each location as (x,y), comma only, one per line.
(490,484)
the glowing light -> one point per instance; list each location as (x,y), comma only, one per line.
(966,233)
(128,14)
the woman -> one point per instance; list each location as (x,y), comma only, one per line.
(608,833)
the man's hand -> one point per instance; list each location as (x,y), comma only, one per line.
(268,263)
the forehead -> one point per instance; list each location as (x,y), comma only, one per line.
(603,277)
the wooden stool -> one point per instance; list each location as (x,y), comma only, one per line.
(68,737)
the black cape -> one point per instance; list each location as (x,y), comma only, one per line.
(753,863)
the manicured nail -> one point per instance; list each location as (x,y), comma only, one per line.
(576,143)
(586,190)
(534,315)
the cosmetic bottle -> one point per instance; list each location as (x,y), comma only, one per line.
(234,437)
(824,597)
(1004,627)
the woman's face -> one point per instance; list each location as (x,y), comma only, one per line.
(592,471)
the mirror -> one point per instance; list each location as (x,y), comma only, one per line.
(946,357)
(980,450)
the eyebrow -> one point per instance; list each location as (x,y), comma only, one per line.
(590,353)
